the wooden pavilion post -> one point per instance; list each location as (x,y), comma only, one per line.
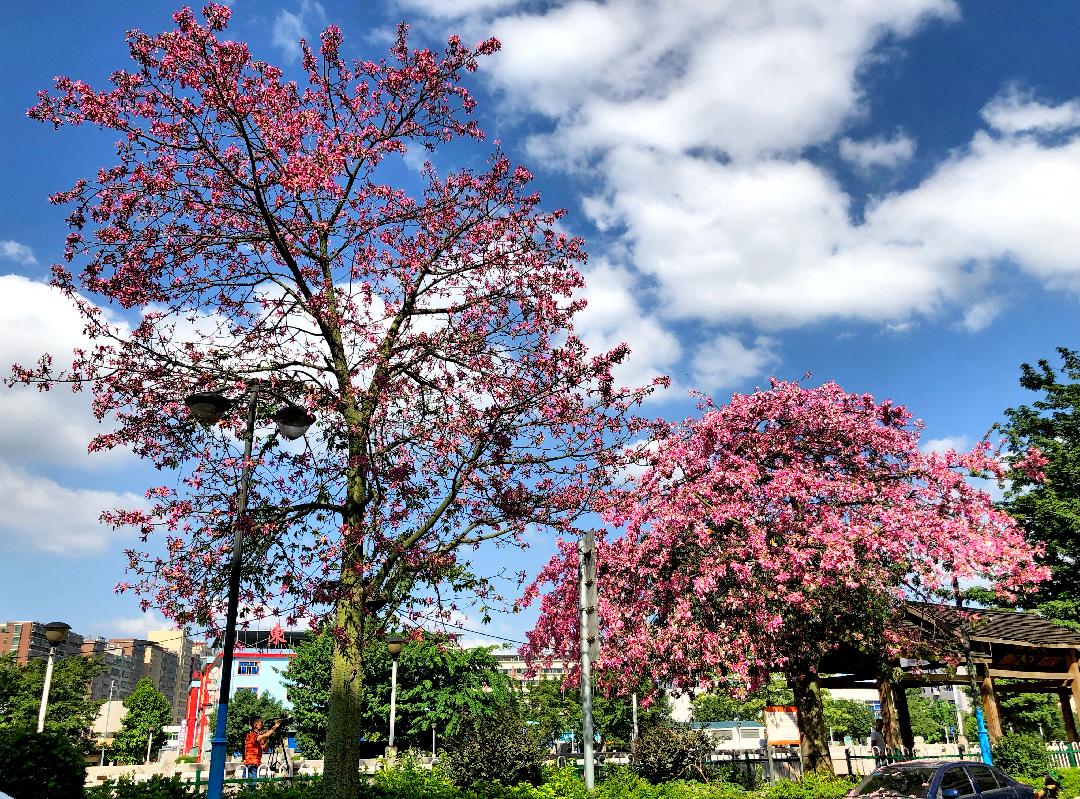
(1065,697)
(990,707)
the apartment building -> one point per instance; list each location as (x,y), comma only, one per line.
(177,642)
(26,640)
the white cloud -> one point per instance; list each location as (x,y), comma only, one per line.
(614,316)
(131,626)
(738,77)
(724,361)
(54,427)
(40,515)
(458,8)
(290,27)
(699,120)
(1017,111)
(19,253)
(946,443)
(879,152)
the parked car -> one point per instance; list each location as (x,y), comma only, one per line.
(949,779)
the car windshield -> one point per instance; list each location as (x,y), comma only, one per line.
(897,781)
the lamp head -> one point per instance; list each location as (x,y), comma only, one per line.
(208,406)
(293,421)
(56,632)
(394,645)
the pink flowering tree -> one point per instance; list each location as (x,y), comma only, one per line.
(768,532)
(249,234)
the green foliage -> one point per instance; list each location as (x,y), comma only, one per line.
(40,766)
(1033,714)
(812,786)
(439,684)
(930,717)
(71,711)
(848,717)
(1049,511)
(555,710)
(158,787)
(494,747)
(1069,782)
(721,706)
(671,753)
(244,706)
(1021,755)
(407,779)
(148,711)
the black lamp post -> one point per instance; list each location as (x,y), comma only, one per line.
(55,633)
(292,422)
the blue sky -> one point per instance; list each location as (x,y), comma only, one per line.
(879,192)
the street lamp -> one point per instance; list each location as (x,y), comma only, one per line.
(209,407)
(394,644)
(55,633)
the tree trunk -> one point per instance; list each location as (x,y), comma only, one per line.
(341,773)
(811,714)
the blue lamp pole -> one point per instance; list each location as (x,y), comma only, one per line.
(980,719)
(292,422)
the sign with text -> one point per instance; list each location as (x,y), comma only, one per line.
(781,725)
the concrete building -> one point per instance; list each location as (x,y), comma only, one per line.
(177,642)
(26,640)
(129,660)
(512,664)
(121,674)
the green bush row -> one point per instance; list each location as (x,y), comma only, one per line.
(408,780)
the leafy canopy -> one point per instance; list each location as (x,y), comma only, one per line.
(1047,505)
(71,711)
(769,530)
(148,711)
(439,685)
(256,232)
(244,706)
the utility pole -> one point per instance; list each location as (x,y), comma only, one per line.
(108,715)
(633,716)
(590,647)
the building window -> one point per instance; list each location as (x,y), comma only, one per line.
(248,690)
(247,667)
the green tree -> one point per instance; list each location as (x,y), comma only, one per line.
(438,685)
(148,711)
(71,711)
(244,706)
(495,747)
(553,711)
(848,717)
(1049,510)
(722,706)
(1032,714)
(931,717)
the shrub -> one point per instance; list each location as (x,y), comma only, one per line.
(663,754)
(812,786)
(40,766)
(406,779)
(156,787)
(498,748)
(1021,756)
(1069,782)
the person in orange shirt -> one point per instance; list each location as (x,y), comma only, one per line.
(254,744)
